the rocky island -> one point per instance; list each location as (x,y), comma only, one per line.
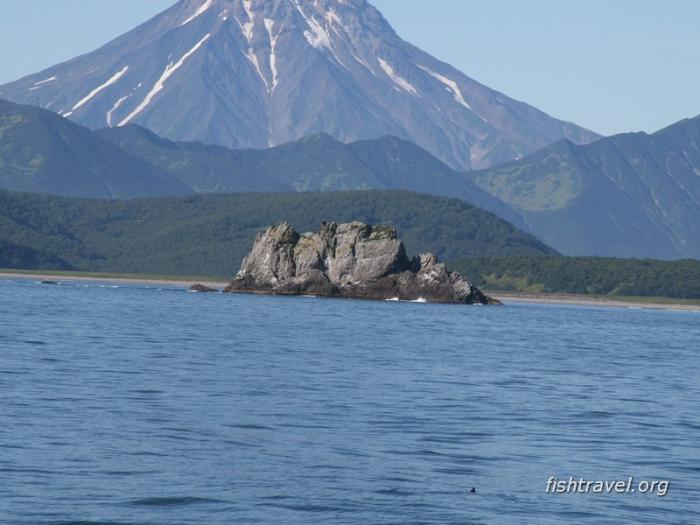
(353,260)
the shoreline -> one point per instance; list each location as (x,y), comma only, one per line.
(582,300)
(505,297)
(47,276)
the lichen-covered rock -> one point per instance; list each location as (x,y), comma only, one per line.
(270,265)
(348,260)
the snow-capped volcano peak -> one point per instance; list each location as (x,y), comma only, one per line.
(255,73)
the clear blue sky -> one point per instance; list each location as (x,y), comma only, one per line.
(609,65)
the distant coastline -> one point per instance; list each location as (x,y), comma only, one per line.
(654,303)
(182,281)
(649,303)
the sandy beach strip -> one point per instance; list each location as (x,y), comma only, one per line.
(184,283)
(582,300)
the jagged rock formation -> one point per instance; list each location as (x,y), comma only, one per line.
(348,260)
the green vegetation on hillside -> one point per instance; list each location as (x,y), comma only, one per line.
(629,195)
(314,163)
(14,256)
(585,275)
(210,234)
(44,152)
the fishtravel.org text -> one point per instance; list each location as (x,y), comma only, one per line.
(572,485)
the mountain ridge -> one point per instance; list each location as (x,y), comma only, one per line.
(131,161)
(629,195)
(313,163)
(258,73)
(42,152)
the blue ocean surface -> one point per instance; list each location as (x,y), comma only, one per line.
(151,405)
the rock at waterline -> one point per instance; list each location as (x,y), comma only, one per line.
(348,260)
(200,288)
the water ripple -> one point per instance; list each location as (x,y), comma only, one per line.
(131,406)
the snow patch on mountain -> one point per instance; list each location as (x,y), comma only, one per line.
(362,63)
(404,84)
(333,18)
(247,27)
(253,59)
(45,81)
(202,9)
(270,26)
(318,36)
(160,84)
(115,78)
(451,85)
(116,106)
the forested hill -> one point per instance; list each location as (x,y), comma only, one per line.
(315,163)
(210,234)
(43,152)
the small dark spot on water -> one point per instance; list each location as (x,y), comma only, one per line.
(35,343)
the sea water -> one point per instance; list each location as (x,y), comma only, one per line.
(151,405)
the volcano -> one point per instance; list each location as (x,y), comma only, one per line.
(259,73)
